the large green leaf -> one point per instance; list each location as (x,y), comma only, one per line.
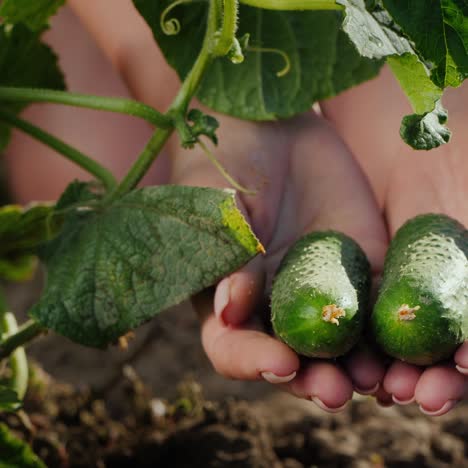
(33,13)
(373,33)
(439,31)
(25,62)
(323,62)
(376,35)
(112,269)
(14,453)
(22,230)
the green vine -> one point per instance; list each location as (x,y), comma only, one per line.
(227,35)
(70,153)
(294,4)
(102,103)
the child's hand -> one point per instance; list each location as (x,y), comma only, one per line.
(307,180)
(407,183)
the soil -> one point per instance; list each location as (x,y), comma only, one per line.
(73,427)
(160,404)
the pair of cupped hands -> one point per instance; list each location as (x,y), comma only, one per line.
(345,169)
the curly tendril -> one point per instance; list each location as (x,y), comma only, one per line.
(287,62)
(171,27)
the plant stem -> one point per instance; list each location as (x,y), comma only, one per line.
(18,359)
(24,334)
(178,107)
(110,104)
(228,31)
(193,79)
(294,4)
(143,163)
(61,147)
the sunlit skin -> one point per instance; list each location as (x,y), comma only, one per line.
(309,173)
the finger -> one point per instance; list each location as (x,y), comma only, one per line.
(439,389)
(366,370)
(323,382)
(123,35)
(461,358)
(237,295)
(401,380)
(240,353)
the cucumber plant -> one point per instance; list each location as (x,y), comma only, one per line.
(253,59)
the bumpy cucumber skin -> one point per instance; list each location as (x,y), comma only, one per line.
(426,266)
(321,269)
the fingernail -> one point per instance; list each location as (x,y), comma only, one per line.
(278,379)
(447,407)
(323,406)
(402,402)
(367,391)
(222,297)
(462,370)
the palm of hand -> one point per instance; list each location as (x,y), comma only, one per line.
(307,180)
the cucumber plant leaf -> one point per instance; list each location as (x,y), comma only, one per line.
(439,31)
(378,35)
(25,62)
(79,193)
(15,453)
(22,230)
(33,13)
(113,268)
(312,40)
(425,129)
(9,400)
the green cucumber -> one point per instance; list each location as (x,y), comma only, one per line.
(421,314)
(320,294)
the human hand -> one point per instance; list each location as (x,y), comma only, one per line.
(306,180)
(408,183)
